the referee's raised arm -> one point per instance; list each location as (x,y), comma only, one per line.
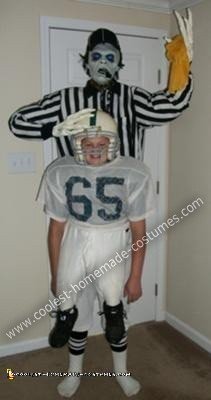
(155,109)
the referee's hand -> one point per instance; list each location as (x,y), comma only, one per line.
(73,122)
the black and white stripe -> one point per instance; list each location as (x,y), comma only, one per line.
(133,108)
(77,342)
(121,346)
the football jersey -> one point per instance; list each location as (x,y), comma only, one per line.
(113,193)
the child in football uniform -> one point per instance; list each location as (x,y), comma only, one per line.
(97,202)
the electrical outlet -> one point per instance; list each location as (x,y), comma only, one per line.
(21,163)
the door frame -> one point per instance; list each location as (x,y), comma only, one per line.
(47,23)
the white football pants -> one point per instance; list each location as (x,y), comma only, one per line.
(91,264)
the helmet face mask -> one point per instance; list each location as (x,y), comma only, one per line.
(97,143)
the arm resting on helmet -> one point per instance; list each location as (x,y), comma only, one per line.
(36,120)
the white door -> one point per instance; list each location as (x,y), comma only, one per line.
(141,56)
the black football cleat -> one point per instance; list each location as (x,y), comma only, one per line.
(115,327)
(61,332)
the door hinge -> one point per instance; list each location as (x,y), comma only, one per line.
(159,76)
(156,289)
(158,187)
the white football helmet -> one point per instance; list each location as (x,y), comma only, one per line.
(94,124)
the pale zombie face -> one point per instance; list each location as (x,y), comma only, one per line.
(103,63)
(95,150)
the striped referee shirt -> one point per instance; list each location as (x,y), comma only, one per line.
(133,108)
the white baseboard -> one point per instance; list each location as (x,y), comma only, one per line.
(191,333)
(22,347)
(30,345)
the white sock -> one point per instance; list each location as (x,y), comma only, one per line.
(71,383)
(129,385)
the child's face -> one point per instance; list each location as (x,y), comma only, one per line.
(96,150)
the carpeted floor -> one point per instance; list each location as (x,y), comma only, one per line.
(168,365)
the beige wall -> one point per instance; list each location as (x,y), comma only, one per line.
(189,261)
(24,274)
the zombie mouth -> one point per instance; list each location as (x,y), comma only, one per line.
(104,72)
